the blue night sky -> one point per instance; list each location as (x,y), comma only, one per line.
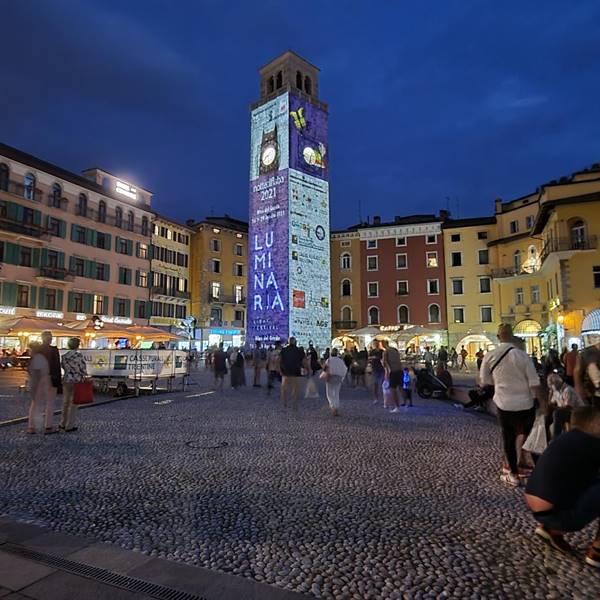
(464,100)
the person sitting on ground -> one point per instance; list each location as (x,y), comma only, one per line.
(562,400)
(563,492)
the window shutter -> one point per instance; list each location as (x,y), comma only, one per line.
(118,243)
(72,264)
(106,272)
(89,268)
(105,304)
(9,293)
(70,302)
(12,254)
(114,310)
(37,217)
(137,279)
(44,257)
(32,294)
(128,308)
(108,237)
(130,247)
(62,229)
(73,236)
(61,260)
(87,303)
(128,276)
(13,212)
(59,299)
(35,258)
(137,249)
(42,298)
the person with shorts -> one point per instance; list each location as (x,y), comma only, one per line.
(393,373)
(563,491)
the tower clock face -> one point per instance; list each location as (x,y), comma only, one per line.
(268,155)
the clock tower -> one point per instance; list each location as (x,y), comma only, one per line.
(288,242)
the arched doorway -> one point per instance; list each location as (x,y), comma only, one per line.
(473,342)
(529,330)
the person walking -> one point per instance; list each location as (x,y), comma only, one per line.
(463,359)
(479,356)
(428,358)
(453,358)
(377,372)
(42,399)
(335,370)
(75,371)
(314,366)
(516,388)
(53,357)
(237,368)
(569,362)
(443,356)
(393,372)
(259,357)
(219,364)
(292,361)
(408,385)
(273,366)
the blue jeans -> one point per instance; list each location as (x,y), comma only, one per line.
(585,510)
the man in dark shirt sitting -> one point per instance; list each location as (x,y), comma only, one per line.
(563,491)
(291,362)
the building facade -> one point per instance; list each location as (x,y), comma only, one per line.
(170,290)
(71,246)
(218,274)
(472,313)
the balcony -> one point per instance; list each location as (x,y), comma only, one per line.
(344,325)
(161,291)
(226,299)
(219,323)
(55,202)
(18,189)
(507,272)
(568,245)
(26,229)
(55,273)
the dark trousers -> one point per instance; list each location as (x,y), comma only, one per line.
(513,424)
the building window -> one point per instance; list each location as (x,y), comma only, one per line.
(130,220)
(346,261)
(432,259)
(22,296)
(578,235)
(239,270)
(483,257)
(53,226)
(121,307)
(459,314)
(102,211)
(457,287)
(457,259)
(124,276)
(373,289)
(433,286)
(215,245)
(486,314)
(4,177)
(238,315)
(482,235)
(403,315)
(82,205)
(239,250)
(215,290)
(514,226)
(101,272)
(50,299)
(98,305)
(596,275)
(402,288)
(29,186)
(485,285)
(145,226)
(346,287)
(371,244)
(434,313)
(102,241)
(345,244)
(372,263)
(519,296)
(123,246)
(455,237)
(118,217)
(215,265)
(77,266)
(77,301)
(55,196)
(517,261)
(143,279)
(529,220)
(401,261)
(308,85)
(25,257)
(216,315)
(401,241)
(373,315)
(431,239)
(535,294)
(346,314)
(143,251)
(238,292)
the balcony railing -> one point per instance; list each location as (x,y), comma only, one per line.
(568,244)
(226,299)
(344,324)
(161,291)
(57,202)
(57,273)
(513,271)
(18,189)
(28,229)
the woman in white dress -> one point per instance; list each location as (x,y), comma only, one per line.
(335,370)
(41,398)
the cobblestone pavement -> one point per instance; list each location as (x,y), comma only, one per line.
(367,505)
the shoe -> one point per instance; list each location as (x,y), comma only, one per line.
(555,540)
(395,410)
(510,479)
(50,431)
(71,429)
(403,404)
(256,385)
(592,556)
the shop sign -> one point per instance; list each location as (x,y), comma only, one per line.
(49,314)
(554,303)
(390,328)
(225,331)
(8,310)
(80,317)
(116,320)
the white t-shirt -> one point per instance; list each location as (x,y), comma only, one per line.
(336,366)
(512,379)
(39,363)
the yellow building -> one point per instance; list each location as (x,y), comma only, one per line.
(568,223)
(345,282)
(170,288)
(219,271)
(473,315)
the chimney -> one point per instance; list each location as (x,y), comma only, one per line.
(376,220)
(498,203)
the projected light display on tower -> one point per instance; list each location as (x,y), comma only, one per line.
(288,278)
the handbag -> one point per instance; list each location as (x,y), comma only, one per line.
(83,392)
(537,440)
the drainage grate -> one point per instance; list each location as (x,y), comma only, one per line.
(132,584)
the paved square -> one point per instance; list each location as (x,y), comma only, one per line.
(368,505)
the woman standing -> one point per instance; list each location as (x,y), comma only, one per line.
(335,370)
(236,363)
(75,371)
(39,386)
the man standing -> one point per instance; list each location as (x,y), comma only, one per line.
(260,362)
(377,372)
(53,357)
(570,360)
(463,359)
(443,356)
(219,363)
(393,372)
(428,358)
(516,386)
(291,362)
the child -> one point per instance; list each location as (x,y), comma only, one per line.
(408,382)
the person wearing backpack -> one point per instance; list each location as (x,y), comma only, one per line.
(259,357)
(516,389)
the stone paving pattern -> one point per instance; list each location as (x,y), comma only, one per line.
(367,505)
